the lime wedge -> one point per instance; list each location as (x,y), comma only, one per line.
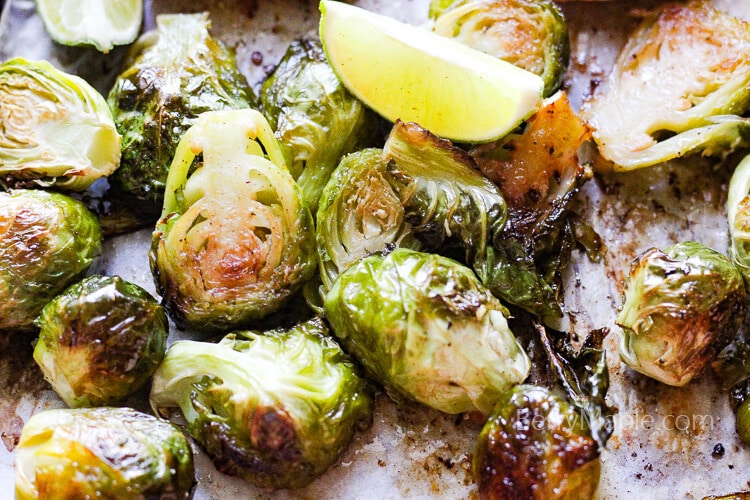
(101,23)
(407,72)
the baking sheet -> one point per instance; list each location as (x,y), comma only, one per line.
(665,438)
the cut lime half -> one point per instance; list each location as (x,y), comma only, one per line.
(407,72)
(101,23)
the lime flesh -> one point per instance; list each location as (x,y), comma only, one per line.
(409,73)
(101,23)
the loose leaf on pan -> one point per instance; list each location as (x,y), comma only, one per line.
(583,376)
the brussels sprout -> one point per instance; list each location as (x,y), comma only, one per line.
(235,239)
(532,34)
(276,409)
(677,88)
(100,340)
(173,75)
(425,328)
(360,214)
(55,129)
(681,308)
(314,116)
(738,215)
(539,172)
(102,453)
(453,209)
(47,242)
(535,445)
(447,201)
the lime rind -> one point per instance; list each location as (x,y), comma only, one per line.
(99,23)
(409,73)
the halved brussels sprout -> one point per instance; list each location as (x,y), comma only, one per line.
(532,34)
(677,88)
(173,74)
(360,214)
(425,328)
(535,445)
(738,216)
(276,409)
(100,340)
(47,242)
(55,128)
(102,453)
(235,239)
(681,308)
(314,116)
(451,207)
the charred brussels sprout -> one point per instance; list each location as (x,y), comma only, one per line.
(360,214)
(173,75)
(55,129)
(681,308)
(738,215)
(539,172)
(677,88)
(275,409)
(535,445)
(235,239)
(100,341)
(456,211)
(47,242)
(532,34)
(314,116)
(102,453)
(424,327)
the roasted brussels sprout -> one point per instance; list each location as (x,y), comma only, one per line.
(532,34)
(55,129)
(275,409)
(451,207)
(681,307)
(235,239)
(100,341)
(47,242)
(425,328)
(455,211)
(677,88)
(360,214)
(314,116)
(173,75)
(535,445)
(738,215)
(102,453)
(538,171)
